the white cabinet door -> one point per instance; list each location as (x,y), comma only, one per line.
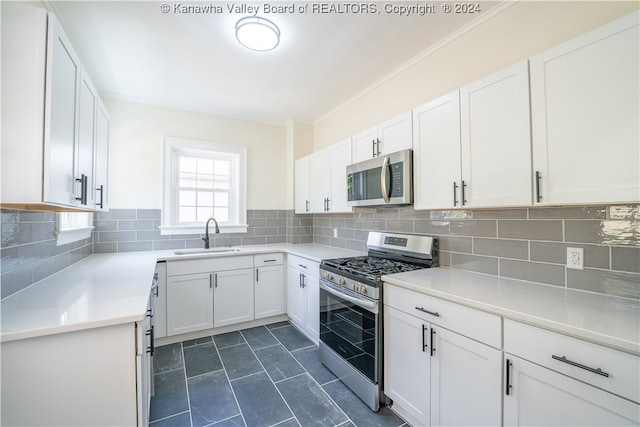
(340,158)
(395,134)
(407,364)
(364,145)
(436,153)
(464,374)
(320,180)
(189,303)
(387,137)
(269,291)
(496,141)
(144,368)
(312,295)
(61,126)
(585,107)
(301,186)
(296,298)
(541,397)
(160,302)
(87,109)
(233,297)
(76,378)
(101,165)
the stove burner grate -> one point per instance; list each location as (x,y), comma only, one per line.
(371,267)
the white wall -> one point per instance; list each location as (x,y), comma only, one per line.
(136,153)
(522,30)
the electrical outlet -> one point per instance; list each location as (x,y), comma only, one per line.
(575,258)
(335,232)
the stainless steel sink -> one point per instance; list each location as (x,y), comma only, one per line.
(211,251)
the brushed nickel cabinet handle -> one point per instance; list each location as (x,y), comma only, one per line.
(563,359)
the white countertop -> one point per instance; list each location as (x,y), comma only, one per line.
(599,318)
(108,289)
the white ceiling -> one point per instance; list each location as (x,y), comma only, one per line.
(133,51)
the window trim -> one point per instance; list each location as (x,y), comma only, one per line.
(173,146)
(73,227)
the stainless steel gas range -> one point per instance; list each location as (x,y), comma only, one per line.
(351,308)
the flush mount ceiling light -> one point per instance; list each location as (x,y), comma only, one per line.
(257,33)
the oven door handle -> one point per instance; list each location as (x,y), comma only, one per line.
(367,305)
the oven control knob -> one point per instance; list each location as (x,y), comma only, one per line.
(329,276)
(342,281)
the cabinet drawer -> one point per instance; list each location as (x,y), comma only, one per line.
(205,265)
(268,259)
(546,347)
(475,324)
(304,264)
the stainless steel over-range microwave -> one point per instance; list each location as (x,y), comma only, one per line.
(382,181)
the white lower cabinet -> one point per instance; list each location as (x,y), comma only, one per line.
(407,368)
(160,301)
(232,297)
(541,397)
(189,303)
(437,377)
(303,295)
(554,379)
(269,295)
(467,374)
(91,377)
(210,293)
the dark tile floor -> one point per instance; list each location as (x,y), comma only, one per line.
(264,376)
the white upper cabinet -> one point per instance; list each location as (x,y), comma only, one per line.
(496,139)
(320,180)
(61,119)
(585,105)
(472,147)
(387,137)
(340,159)
(436,153)
(328,178)
(86,144)
(50,115)
(101,158)
(302,186)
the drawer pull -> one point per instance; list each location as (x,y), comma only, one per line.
(428,312)
(269,260)
(587,368)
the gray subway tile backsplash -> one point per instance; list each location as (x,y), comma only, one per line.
(501,248)
(549,274)
(522,243)
(550,230)
(28,249)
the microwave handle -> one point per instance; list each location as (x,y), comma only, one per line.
(383,179)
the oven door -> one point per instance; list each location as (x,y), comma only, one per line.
(350,326)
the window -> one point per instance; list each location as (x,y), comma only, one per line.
(73,226)
(203,180)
